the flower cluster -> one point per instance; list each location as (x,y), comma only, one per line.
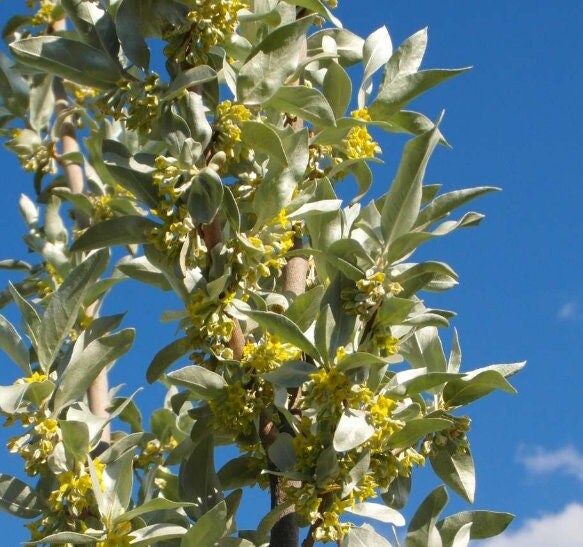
(49,284)
(154,452)
(359,142)
(213,20)
(44,14)
(227,126)
(268,354)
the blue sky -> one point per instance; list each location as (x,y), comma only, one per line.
(513,122)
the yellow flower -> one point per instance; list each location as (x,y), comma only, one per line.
(34,378)
(227,123)
(214,19)
(269,354)
(361,114)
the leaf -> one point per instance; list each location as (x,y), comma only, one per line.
(42,104)
(201,382)
(424,350)
(75,438)
(485,524)
(283,327)
(69,59)
(304,102)
(407,58)
(165,357)
(116,231)
(141,269)
(304,309)
(416,429)
(155,504)
(19,499)
(444,204)
(13,88)
(118,484)
(474,386)
(337,88)
(199,483)
(281,452)
(352,430)
(377,50)
(263,138)
(155,533)
(364,537)
(403,89)
(30,316)
(12,344)
(205,196)
(462,538)
(455,468)
(87,364)
(11,397)
(61,313)
(403,201)
(378,512)
(273,61)
(208,529)
(398,493)
(290,374)
(189,79)
(93,24)
(348,45)
(239,472)
(422,530)
(62,538)
(128,25)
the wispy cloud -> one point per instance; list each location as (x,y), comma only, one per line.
(568,310)
(540,461)
(559,530)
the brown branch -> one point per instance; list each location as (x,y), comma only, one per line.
(98,392)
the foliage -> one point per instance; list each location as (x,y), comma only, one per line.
(222,182)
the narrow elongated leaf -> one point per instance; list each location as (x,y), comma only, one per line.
(19,499)
(398,493)
(378,512)
(116,231)
(87,365)
(364,536)
(353,429)
(337,89)
(474,386)
(455,468)
(239,472)
(208,529)
(165,357)
(272,63)
(288,331)
(118,484)
(304,102)
(30,316)
(11,397)
(415,430)
(75,61)
(61,313)
(205,196)
(291,374)
(407,58)
(422,529)
(155,533)
(155,504)
(377,50)
(203,383)
(75,438)
(64,538)
(403,201)
(304,309)
(485,524)
(189,79)
(13,345)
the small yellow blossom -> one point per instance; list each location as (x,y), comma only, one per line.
(269,354)
(361,114)
(35,377)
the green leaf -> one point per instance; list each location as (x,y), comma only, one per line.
(352,430)
(239,472)
(316,6)
(283,327)
(407,58)
(208,529)
(290,374)
(398,493)
(75,438)
(281,452)
(19,499)
(30,316)
(141,269)
(165,357)
(462,538)
(348,45)
(422,530)
(337,89)
(201,382)
(116,231)
(93,24)
(72,60)
(441,206)
(155,504)
(155,533)
(304,309)
(364,536)
(424,350)
(205,196)
(62,538)
(198,480)
(378,512)
(269,521)
(414,430)
(304,102)
(129,29)
(403,201)
(263,138)
(455,354)
(88,363)
(13,345)
(11,397)
(118,483)
(274,60)
(485,524)
(191,78)
(474,386)
(403,89)
(456,468)
(13,88)
(61,313)
(376,52)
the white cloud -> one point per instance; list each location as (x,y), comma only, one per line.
(557,530)
(568,311)
(539,461)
